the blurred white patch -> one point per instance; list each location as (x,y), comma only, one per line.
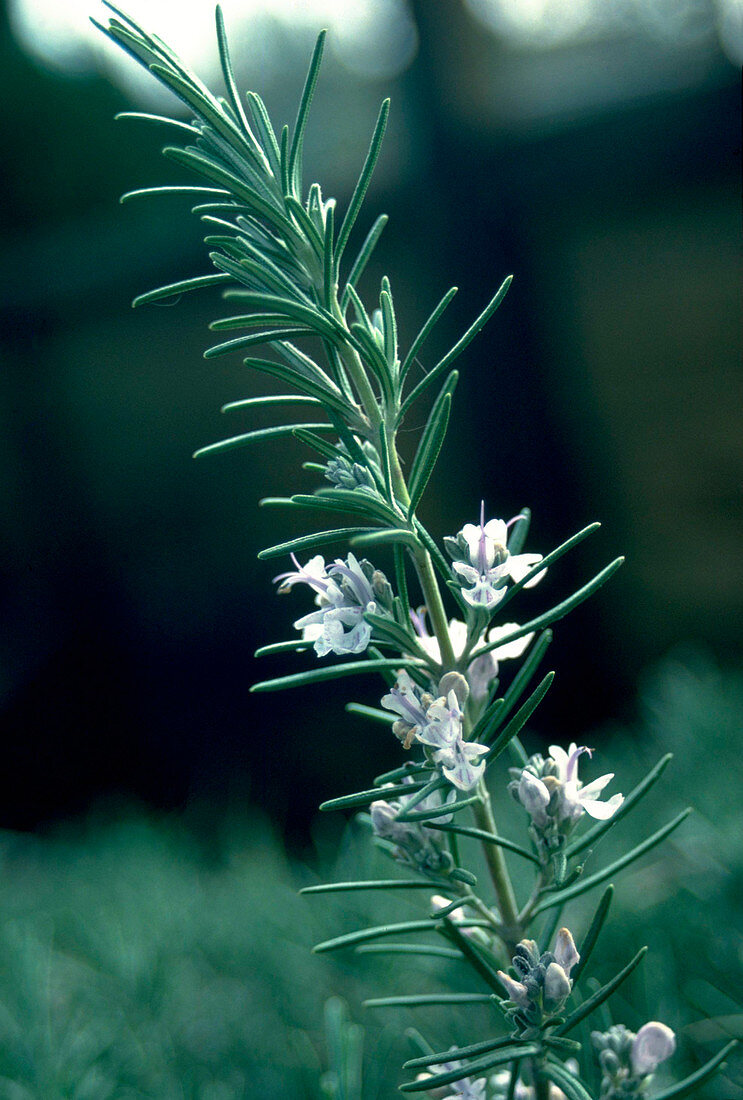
(375,39)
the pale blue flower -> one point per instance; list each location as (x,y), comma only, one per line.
(344,595)
(491,564)
(653,1043)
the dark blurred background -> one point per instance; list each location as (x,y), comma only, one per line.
(592,149)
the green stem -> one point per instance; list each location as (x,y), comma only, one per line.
(496,862)
(542,1086)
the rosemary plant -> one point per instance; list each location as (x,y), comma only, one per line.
(281,255)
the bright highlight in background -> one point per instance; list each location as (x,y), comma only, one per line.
(376,39)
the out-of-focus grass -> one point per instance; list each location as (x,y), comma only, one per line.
(138,961)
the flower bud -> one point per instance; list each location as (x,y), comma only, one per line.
(565,951)
(557,986)
(653,1043)
(516,991)
(454,681)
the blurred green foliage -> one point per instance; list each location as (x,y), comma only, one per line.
(142,959)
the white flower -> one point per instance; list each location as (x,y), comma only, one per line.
(458,759)
(405,701)
(313,574)
(344,595)
(491,563)
(559,794)
(577,798)
(653,1043)
(482,670)
(337,629)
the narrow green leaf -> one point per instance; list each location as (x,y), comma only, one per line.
(295,156)
(329,672)
(384,716)
(474,955)
(550,559)
(171,189)
(391,631)
(589,940)
(487,838)
(320,387)
(430,444)
(159,118)
(270,399)
(474,1069)
(255,437)
(372,354)
(313,318)
(266,136)
(363,182)
(284,160)
(488,722)
(305,224)
(519,531)
(349,500)
(205,106)
(523,677)
(253,199)
(328,265)
(395,537)
(229,77)
(458,1053)
(327,450)
(437,783)
(365,935)
(590,838)
(458,348)
(601,995)
(173,289)
(408,949)
(362,798)
(689,1085)
(389,327)
(359,264)
(582,885)
(422,336)
(372,884)
(560,610)
(295,645)
(255,338)
(408,768)
(430,815)
(520,718)
(305,542)
(418,1000)
(478,324)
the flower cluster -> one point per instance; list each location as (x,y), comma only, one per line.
(542,984)
(555,799)
(414,844)
(345,474)
(437,724)
(482,561)
(345,592)
(482,670)
(629,1060)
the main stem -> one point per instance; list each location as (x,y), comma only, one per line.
(507,906)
